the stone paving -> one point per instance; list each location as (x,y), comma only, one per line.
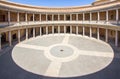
(59,57)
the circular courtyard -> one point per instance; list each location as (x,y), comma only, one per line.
(62,55)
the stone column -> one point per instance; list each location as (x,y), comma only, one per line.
(52,17)
(40,31)
(83,30)
(77,29)
(18,35)
(33,31)
(0,42)
(106,35)
(98,16)
(77,17)
(26,17)
(46,30)
(33,17)
(90,31)
(70,17)
(64,17)
(52,29)
(70,29)
(64,29)
(26,33)
(18,17)
(10,40)
(58,17)
(116,38)
(98,33)
(90,16)
(107,16)
(46,17)
(83,16)
(59,29)
(40,17)
(117,15)
(8,17)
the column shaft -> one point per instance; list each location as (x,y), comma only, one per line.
(83,30)
(98,33)
(33,17)
(98,16)
(106,16)
(52,29)
(58,17)
(34,32)
(52,17)
(106,35)
(18,17)
(59,29)
(26,33)
(18,35)
(116,38)
(40,17)
(26,17)
(76,17)
(83,16)
(46,17)
(71,29)
(90,16)
(117,15)
(64,17)
(40,31)
(10,40)
(90,31)
(64,29)
(8,17)
(46,30)
(70,17)
(77,30)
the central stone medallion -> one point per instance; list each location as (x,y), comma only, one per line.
(61,51)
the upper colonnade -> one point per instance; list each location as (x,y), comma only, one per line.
(99,13)
(18,20)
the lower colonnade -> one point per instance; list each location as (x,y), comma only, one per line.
(8,38)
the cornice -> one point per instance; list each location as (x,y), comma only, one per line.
(16,6)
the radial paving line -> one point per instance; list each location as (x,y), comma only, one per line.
(53,69)
(66,39)
(32,46)
(96,53)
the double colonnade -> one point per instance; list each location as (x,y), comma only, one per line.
(19,22)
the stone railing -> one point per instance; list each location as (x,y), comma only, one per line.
(12,24)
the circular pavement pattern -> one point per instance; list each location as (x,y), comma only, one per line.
(62,55)
(61,51)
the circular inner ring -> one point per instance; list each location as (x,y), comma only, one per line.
(61,51)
